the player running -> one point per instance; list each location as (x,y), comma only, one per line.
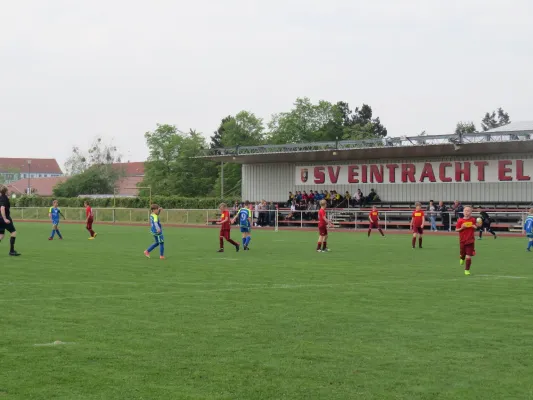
(373,217)
(245,222)
(466,226)
(323,224)
(89,219)
(54,214)
(417,225)
(157,232)
(225,228)
(486,221)
(528,229)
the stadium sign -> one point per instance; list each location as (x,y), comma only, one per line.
(420,172)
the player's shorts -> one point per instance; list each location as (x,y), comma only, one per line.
(159,238)
(245,229)
(7,227)
(323,230)
(530,235)
(374,225)
(55,222)
(225,233)
(90,224)
(467,250)
(418,230)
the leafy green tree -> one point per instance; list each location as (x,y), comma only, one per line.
(171,168)
(495,119)
(100,153)
(216,139)
(465,127)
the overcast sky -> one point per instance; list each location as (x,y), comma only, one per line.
(72,70)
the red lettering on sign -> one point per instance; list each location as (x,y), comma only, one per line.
(427,173)
(334,175)
(462,171)
(504,170)
(442,172)
(392,172)
(520,171)
(481,170)
(320,176)
(408,173)
(364,173)
(353,174)
(376,173)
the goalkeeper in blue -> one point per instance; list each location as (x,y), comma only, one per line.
(528,229)
(157,232)
(54,214)
(245,222)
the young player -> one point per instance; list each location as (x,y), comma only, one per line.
(417,225)
(373,217)
(466,226)
(528,229)
(54,214)
(486,225)
(245,222)
(89,219)
(323,224)
(225,228)
(157,232)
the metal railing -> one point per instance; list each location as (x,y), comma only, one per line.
(278,219)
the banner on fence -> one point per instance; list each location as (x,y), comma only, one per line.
(421,172)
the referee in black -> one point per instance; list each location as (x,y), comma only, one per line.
(6,224)
(487,220)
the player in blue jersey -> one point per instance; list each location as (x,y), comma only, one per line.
(157,232)
(54,214)
(245,222)
(528,229)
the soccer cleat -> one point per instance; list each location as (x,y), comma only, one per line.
(50,238)
(14,253)
(237,248)
(161,257)
(147,254)
(220,251)
(325,250)
(95,235)
(91,238)
(461,262)
(467,272)
(319,251)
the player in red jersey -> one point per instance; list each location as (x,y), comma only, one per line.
(89,220)
(225,227)
(417,225)
(323,224)
(466,227)
(373,217)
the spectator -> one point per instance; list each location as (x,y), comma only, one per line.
(361,198)
(347,198)
(327,197)
(305,197)
(432,212)
(291,198)
(271,214)
(311,196)
(373,197)
(458,209)
(298,197)
(444,215)
(256,213)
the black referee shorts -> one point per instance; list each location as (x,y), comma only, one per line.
(6,227)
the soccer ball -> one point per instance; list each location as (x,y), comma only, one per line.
(479,221)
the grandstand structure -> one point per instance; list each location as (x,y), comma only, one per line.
(488,168)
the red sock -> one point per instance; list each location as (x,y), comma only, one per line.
(233,242)
(324,245)
(370,230)
(413,241)
(380,231)
(92,233)
(318,246)
(419,242)
(468,264)
(221,243)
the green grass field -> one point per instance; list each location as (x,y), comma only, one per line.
(373,319)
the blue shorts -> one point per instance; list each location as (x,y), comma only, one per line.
(530,235)
(159,238)
(55,222)
(245,229)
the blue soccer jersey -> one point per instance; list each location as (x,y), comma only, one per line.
(528,226)
(155,225)
(244,217)
(55,213)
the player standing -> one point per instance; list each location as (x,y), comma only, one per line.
(417,225)
(466,226)
(245,222)
(6,223)
(373,217)
(225,228)
(89,219)
(157,232)
(323,224)
(528,229)
(54,214)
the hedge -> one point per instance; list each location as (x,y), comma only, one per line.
(168,202)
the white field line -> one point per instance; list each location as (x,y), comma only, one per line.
(177,283)
(501,276)
(56,343)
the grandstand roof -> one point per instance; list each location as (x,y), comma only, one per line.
(508,141)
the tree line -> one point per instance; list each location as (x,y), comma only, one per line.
(172,170)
